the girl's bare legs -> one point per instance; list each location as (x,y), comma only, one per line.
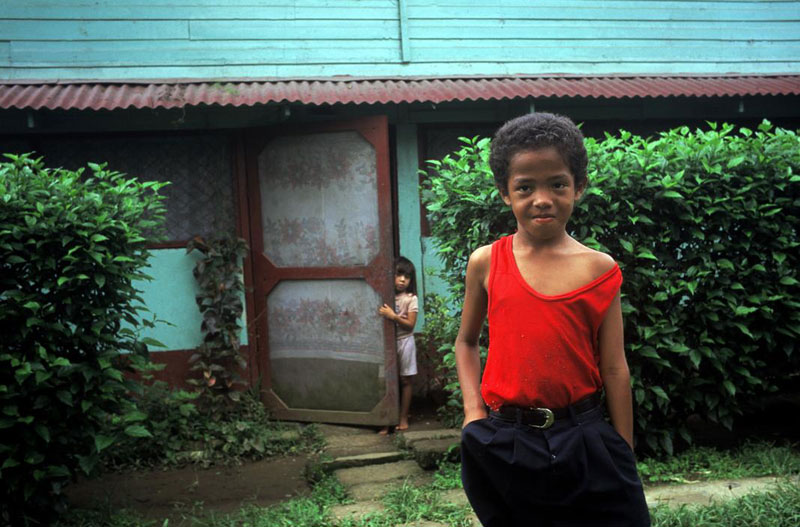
(405,401)
(405,405)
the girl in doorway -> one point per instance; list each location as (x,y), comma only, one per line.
(404,315)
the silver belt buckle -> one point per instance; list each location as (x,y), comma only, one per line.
(549,418)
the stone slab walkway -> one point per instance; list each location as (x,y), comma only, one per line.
(707,492)
(370,465)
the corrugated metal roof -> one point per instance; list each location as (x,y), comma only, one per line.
(171,94)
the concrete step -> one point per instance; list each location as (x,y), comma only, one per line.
(429,452)
(362,460)
(398,470)
(343,445)
(429,447)
(407,439)
(376,491)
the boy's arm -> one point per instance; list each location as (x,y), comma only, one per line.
(615,373)
(468,361)
(406,323)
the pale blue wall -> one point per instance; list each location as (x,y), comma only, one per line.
(408,212)
(170,297)
(433,264)
(122,39)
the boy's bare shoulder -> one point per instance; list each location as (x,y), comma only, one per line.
(599,262)
(481,256)
(479,260)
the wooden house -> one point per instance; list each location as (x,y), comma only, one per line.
(300,126)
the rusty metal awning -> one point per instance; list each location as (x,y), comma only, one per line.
(111,95)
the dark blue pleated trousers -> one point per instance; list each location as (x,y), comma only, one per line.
(579,472)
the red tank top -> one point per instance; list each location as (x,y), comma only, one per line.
(543,349)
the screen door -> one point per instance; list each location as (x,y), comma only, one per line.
(320,209)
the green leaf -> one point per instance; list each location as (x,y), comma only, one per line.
(137,431)
(729,387)
(724,263)
(65,397)
(42,376)
(744,329)
(43,432)
(101,442)
(788,280)
(58,471)
(100,280)
(736,161)
(646,253)
(744,310)
(149,341)
(659,392)
(134,416)
(10,463)
(695,357)
(672,194)
(88,463)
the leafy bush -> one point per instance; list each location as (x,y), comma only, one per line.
(169,416)
(704,226)
(182,434)
(441,329)
(71,247)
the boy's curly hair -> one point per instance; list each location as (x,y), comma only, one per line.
(533,131)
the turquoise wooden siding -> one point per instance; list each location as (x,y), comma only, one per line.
(118,39)
(170,297)
(408,212)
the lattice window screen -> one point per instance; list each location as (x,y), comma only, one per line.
(200,197)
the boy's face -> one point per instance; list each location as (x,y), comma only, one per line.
(541,192)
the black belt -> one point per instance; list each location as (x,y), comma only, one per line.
(545,417)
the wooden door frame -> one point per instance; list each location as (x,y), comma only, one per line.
(378,273)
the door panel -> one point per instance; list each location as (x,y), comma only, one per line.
(319,200)
(322,326)
(321,241)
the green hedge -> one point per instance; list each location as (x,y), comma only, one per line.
(704,225)
(71,247)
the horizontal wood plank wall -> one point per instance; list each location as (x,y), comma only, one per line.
(129,39)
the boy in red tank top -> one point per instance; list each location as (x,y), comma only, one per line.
(542,454)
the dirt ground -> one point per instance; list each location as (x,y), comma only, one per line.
(161,494)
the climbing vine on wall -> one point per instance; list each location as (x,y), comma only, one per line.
(219,360)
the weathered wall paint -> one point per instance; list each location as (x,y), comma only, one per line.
(170,297)
(433,264)
(409,207)
(118,39)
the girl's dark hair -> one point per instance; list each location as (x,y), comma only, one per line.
(534,131)
(404,266)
